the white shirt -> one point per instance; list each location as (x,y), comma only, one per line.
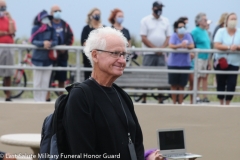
(156,30)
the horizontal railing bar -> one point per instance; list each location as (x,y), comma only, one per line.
(126,70)
(126,90)
(30,46)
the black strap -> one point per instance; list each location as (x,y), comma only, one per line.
(129,135)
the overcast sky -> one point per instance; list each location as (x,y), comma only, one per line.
(75,11)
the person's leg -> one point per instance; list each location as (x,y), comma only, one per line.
(37,76)
(205,81)
(148,60)
(45,83)
(191,86)
(7,83)
(231,83)
(174,96)
(160,60)
(182,82)
(62,75)
(180,96)
(221,84)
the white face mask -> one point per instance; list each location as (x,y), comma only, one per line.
(46,21)
(232,24)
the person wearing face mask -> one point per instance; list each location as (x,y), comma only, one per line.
(43,36)
(7,31)
(93,22)
(202,41)
(65,37)
(181,39)
(155,33)
(116,19)
(227,39)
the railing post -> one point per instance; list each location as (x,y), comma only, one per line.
(195,78)
(78,70)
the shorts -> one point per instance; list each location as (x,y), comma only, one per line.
(154,60)
(6,58)
(178,79)
(60,75)
(202,65)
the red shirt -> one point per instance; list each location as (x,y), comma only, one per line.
(4,26)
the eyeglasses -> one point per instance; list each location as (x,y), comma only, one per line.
(115,54)
(57,11)
(181,27)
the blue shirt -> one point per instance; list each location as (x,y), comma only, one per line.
(224,38)
(202,41)
(180,59)
(59,32)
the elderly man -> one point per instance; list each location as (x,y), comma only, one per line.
(155,33)
(7,31)
(202,41)
(65,37)
(107,127)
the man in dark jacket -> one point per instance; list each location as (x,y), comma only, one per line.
(65,37)
(103,125)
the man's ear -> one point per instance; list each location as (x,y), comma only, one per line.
(94,56)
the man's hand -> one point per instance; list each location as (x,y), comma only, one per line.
(46,44)
(159,53)
(8,157)
(8,15)
(156,155)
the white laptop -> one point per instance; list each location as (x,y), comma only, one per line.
(172,144)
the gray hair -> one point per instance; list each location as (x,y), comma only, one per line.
(199,18)
(97,40)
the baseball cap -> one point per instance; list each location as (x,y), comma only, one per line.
(158,4)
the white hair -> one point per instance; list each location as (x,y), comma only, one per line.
(199,18)
(97,40)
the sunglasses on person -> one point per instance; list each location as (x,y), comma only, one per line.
(115,54)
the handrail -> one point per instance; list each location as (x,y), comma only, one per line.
(78,68)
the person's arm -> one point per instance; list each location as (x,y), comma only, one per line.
(70,36)
(191,42)
(218,41)
(172,42)
(143,33)
(79,125)
(84,36)
(147,42)
(12,28)
(35,41)
(54,38)
(3,33)
(165,44)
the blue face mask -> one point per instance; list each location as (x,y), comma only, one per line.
(57,15)
(182,30)
(119,20)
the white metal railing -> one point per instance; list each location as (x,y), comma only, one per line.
(78,68)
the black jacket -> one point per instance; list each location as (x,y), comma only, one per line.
(93,131)
(68,39)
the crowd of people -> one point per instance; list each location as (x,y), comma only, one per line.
(50,30)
